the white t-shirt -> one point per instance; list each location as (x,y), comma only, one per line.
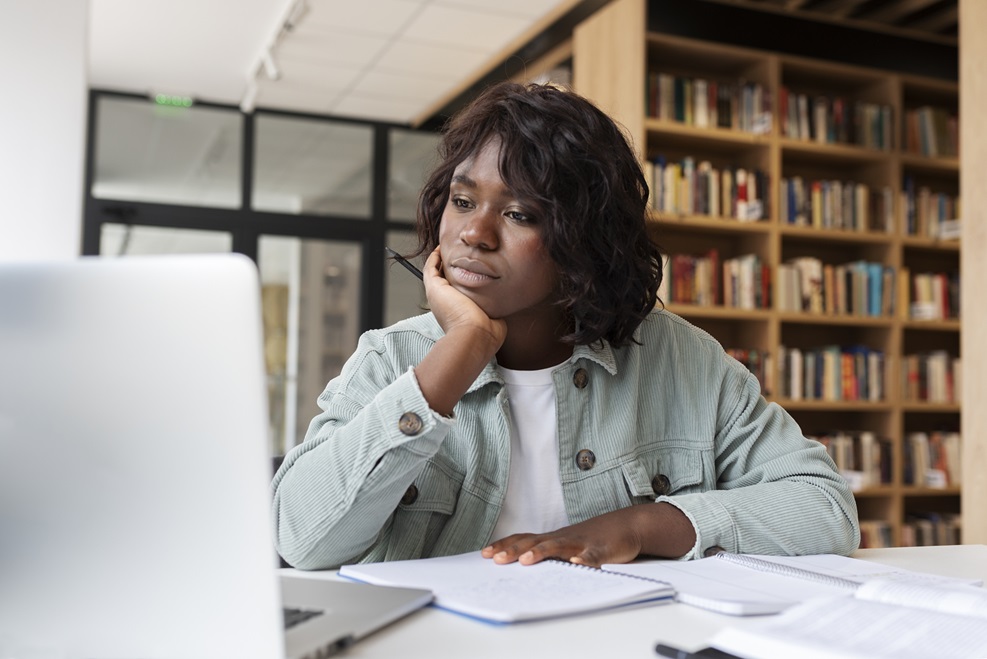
(534,502)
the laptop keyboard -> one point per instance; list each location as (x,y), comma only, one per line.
(294,617)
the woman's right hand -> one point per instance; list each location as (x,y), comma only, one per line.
(471,340)
(455,311)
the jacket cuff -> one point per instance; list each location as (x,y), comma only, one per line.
(712,522)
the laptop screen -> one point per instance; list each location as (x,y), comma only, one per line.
(134,475)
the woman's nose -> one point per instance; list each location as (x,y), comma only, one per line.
(480,230)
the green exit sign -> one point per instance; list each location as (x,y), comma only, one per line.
(173,101)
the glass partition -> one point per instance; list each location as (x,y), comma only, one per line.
(310,292)
(167,154)
(314,167)
(412,157)
(133,240)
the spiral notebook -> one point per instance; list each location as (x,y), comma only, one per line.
(744,584)
(477,587)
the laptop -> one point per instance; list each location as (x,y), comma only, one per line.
(135,503)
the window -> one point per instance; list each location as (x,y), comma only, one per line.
(313,202)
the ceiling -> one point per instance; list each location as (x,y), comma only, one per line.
(386,60)
(937,20)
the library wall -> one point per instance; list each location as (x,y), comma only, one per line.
(973,158)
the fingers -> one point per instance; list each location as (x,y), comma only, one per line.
(433,265)
(529,549)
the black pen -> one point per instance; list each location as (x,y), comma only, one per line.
(704,653)
(405,262)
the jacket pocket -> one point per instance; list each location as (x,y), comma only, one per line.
(665,469)
(423,512)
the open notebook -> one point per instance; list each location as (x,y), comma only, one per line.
(744,584)
(474,586)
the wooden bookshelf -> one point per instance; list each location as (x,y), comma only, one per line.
(614,58)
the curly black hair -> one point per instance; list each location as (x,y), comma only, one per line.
(571,162)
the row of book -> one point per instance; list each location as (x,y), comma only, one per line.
(758,362)
(875,534)
(928,529)
(927,213)
(832,373)
(919,530)
(691,188)
(742,282)
(835,120)
(931,377)
(836,205)
(738,105)
(858,288)
(933,295)
(863,458)
(932,131)
(932,459)
(746,106)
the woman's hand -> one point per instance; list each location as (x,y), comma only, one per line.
(654,529)
(454,310)
(471,339)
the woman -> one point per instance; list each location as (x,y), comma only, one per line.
(544,407)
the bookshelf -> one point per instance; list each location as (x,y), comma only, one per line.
(854,178)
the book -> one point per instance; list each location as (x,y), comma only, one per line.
(880,619)
(746,584)
(479,588)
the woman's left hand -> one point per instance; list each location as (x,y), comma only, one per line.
(655,529)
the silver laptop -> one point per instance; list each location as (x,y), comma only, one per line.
(134,471)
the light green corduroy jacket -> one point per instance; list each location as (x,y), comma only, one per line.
(675,406)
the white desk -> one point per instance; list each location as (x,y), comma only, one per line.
(629,633)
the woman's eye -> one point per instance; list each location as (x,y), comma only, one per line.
(460,203)
(520,217)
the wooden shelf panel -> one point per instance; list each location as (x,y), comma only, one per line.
(803,317)
(724,138)
(727,313)
(708,223)
(935,165)
(833,405)
(831,153)
(951,325)
(930,408)
(931,244)
(835,235)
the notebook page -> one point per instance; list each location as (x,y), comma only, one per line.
(475,586)
(851,628)
(718,584)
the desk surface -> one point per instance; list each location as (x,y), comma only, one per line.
(629,633)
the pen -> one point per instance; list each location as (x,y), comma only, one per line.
(704,653)
(405,262)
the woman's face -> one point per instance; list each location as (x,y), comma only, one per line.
(492,249)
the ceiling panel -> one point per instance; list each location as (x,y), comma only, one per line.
(474,30)
(308,55)
(354,50)
(429,60)
(380,17)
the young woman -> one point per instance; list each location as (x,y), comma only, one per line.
(545,406)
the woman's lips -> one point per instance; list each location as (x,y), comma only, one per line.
(471,272)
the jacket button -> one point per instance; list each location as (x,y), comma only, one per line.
(410,423)
(410,495)
(661,484)
(580,378)
(712,551)
(585,459)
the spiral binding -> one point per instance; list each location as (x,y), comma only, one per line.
(615,573)
(787,570)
